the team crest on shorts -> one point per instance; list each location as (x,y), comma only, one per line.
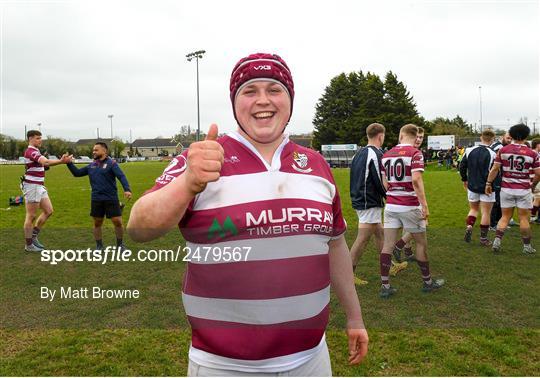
(302,161)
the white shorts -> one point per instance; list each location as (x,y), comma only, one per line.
(371,216)
(524,201)
(411,221)
(318,366)
(34,192)
(480,197)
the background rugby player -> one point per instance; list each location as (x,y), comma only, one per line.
(516,160)
(405,242)
(406,207)
(103,172)
(367,194)
(474,170)
(34,191)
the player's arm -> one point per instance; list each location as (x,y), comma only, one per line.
(341,277)
(155,213)
(384,178)
(418,185)
(491,176)
(123,180)
(52,162)
(381,189)
(77,172)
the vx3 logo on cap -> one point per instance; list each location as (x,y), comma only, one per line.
(264,67)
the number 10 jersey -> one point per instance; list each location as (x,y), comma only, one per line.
(398,165)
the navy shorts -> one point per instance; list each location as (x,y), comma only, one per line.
(105,208)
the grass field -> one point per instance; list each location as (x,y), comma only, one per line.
(484,322)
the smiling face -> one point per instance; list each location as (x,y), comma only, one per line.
(263,109)
(99,152)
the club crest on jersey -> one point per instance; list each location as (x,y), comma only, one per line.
(104,166)
(301,161)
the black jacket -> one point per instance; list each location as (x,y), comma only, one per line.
(366,186)
(103,175)
(475,166)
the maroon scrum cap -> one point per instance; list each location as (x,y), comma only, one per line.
(259,66)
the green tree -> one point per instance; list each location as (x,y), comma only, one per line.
(84,150)
(20,147)
(117,147)
(56,146)
(399,108)
(7,147)
(353,101)
(445,126)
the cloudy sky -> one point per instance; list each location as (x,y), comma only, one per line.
(69,64)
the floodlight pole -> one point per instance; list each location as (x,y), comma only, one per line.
(481,125)
(197,54)
(111,117)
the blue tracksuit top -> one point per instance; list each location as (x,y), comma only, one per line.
(103,175)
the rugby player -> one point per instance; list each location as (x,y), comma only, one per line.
(405,242)
(103,172)
(474,169)
(406,207)
(515,160)
(34,191)
(535,212)
(496,211)
(367,194)
(266,312)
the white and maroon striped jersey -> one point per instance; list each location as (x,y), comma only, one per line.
(398,165)
(268,313)
(35,172)
(517,161)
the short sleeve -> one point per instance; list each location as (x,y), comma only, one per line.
(339,225)
(417,162)
(176,167)
(33,155)
(498,159)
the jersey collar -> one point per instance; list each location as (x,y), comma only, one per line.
(276,159)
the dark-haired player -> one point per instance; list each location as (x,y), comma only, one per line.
(406,207)
(516,161)
(474,170)
(103,172)
(34,191)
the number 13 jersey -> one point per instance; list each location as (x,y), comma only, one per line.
(398,165)
(517,162)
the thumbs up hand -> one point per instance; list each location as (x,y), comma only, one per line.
(204,161)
